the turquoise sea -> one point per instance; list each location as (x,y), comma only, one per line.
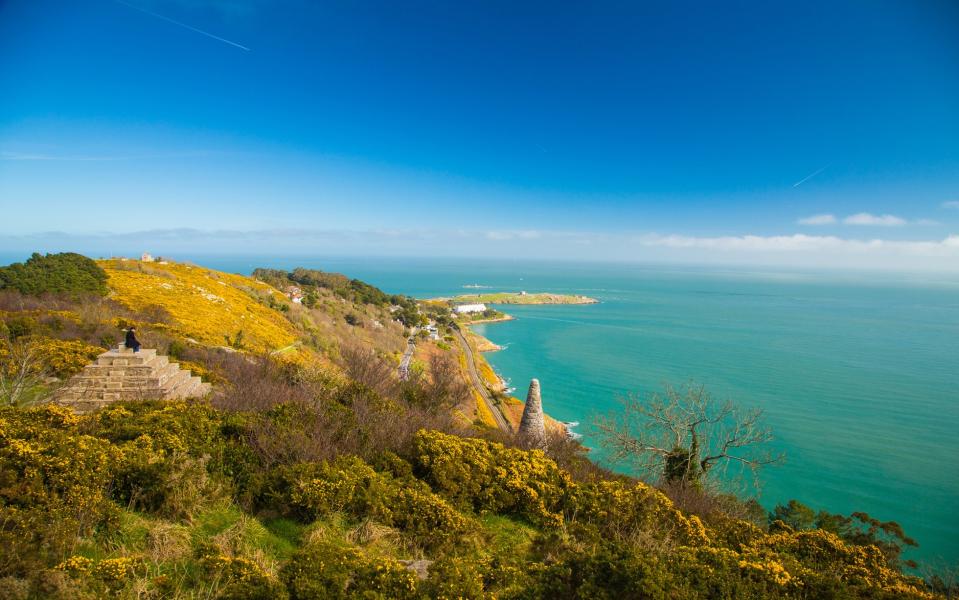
(858,373)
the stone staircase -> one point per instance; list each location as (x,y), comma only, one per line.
(122,374)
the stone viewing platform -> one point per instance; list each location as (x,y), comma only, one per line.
(122,374)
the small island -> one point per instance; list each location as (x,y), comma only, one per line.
(519,298)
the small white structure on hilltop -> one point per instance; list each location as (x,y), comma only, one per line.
(146,257)
(295,294)
(465,309)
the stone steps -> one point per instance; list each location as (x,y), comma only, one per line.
(126,375)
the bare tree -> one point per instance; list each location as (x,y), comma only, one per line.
(21,372)
(446,387)
(683,434)
(362,364)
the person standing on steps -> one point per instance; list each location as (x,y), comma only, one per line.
(132,342)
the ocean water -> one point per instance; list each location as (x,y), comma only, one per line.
(858,373)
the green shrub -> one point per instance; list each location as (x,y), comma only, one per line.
(242,579)
(488,477)
(175,457)
(328,571)
(623,511)
(67,272)
(350,486)
(176,349)
(54,485)
(455,577)
(606,573)
(20,326)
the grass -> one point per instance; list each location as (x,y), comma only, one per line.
(285,537)
(506,536)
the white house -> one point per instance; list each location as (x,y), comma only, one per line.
(295,294)
(146,257)
(465,309)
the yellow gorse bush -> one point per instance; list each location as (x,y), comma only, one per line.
(205,305)
(64,479)
(488,477)
(64,358)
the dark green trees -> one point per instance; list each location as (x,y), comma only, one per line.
(64,273)
(858,528)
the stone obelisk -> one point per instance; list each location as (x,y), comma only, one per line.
(531,426)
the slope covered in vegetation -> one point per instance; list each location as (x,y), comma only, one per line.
(187,500)
(318,473)
(204,305)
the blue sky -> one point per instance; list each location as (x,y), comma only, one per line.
(806,133)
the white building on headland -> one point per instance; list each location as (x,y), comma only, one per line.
(146,257)
(465,309)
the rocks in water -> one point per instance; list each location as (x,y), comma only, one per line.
(532,426)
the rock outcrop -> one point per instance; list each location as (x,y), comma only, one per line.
(126,375)
(532,426)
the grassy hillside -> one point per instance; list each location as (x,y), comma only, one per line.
(204,305)
(316,473)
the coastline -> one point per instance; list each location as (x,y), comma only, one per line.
(518,298)
(505,317)
(512,406)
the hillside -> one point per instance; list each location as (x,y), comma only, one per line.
(204,305)
(316,472)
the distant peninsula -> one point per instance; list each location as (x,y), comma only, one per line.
(519,298)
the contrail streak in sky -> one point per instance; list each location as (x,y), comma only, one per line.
(184,25)
(810,176)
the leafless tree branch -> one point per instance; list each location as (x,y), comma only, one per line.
(684,433)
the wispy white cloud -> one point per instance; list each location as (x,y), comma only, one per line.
(951,204)
(869,219)
(528,234)
(824,219)
(797,250)
(864,219)
(805,243)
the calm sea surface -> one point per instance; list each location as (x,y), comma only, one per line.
(858,373)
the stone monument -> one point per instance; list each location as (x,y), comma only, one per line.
(532,426)
(122,374)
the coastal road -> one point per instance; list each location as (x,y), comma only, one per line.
(478,383)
